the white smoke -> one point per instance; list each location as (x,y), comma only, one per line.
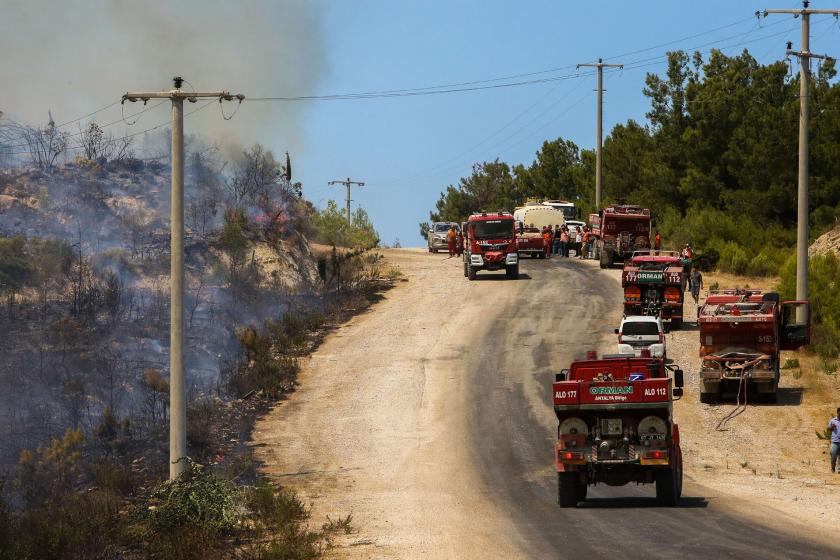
(74,57)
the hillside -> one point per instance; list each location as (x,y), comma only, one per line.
(827,242)
(84,271)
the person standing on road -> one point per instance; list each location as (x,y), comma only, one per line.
(451,240)
(556,244)
(578,242)
(584,249)
(564,242)
(546,233)
(685,256)
(696,285)
(459,247)
(834,449)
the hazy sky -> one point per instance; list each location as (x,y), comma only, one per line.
(75,57)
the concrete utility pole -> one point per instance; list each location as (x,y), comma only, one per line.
(347,183)
(177,399)
(598,161)
(802,213)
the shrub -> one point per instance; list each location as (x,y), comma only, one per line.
(71,527)
(195,500)
(824,296)
(263,367)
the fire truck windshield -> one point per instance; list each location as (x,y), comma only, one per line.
(493,229)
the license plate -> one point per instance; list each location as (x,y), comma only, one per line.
(611,426)
(651,437)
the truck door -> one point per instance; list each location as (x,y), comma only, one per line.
(796,325)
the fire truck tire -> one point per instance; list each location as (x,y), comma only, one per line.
(606,259)
(669,485)
(512,272)
(466,271)
(567,489)
(471,272)
(582,488)
(676,324)
(709,398)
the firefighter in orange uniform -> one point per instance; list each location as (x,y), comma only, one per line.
(451,240)
(547,238)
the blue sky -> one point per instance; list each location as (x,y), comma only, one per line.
(406,149)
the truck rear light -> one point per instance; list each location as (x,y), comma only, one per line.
(672,293)
(571,456)
(632,293)
(656,454)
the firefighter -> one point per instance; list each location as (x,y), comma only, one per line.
(451,240)
(460,244)
(657,243)
(686,255)
(547,238)
(834,449)
(584,248)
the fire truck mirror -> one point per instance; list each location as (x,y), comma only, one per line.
(678,380)
(562,376)
(616,331)
(678,392)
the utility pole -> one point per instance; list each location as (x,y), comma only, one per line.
(177,399)
(802,213)
(598,160)
(347,183)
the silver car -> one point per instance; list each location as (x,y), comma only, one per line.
(437,236)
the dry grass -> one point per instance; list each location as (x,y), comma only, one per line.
(725,280)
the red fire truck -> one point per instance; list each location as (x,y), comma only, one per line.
(490,244)
(616,426)
(654,284)
(742,333)
(624,228)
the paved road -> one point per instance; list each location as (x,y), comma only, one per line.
(429,418)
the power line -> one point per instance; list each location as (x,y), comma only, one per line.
(103,126)
(431,91)
(126,137)
(455,86)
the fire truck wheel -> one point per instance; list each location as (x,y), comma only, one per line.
(466,266)
(676,324)
(512,272)
(667,492)
(567,489)
(471,272)
(606,259)
(709,398)
(582,488)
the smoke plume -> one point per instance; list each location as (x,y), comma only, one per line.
(74,57)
